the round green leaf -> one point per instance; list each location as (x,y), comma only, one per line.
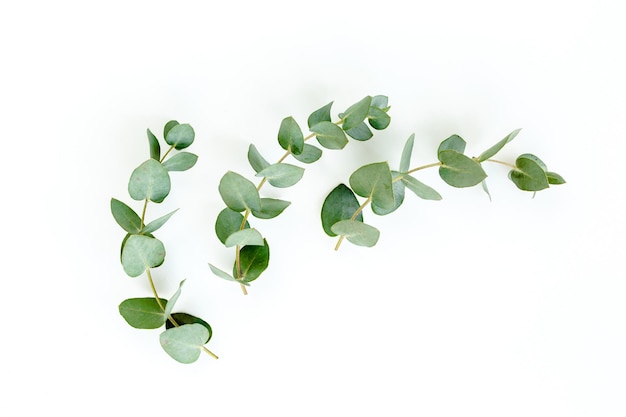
(398,196)
(184,343)
(290,136)
(340,204)
(459,170)
(454,143)
(360,133)
(320,115)
(168,126)
(309,154)
(356,114)
(282,175)
(270,208)
(239,193)
(554,178)
(184,318)
(356,232)
(125,217)
(257,162)
(140,253)
(143,313)
(244,237)
(227,223)
(180,136)
(253,261)
(329,135)
(149,180)
(382,102)
(374,181)
(378,118)
(529,174)
(182,161)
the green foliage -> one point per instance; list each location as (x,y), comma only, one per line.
(374,182)
(253,260)
(282,175)
(340,204)
(239,193)
(141,251)
(290,136)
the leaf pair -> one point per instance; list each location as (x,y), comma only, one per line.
(253,261)
(531,174)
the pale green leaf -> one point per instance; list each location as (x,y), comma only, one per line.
(378,118)
(257,162)
(140,253)
(244,237)
(329,135)
(156,224)
(405,160)
(360,133)
(184,318)
(398,196)
(454,143)
(143,313)
(356,114)
(180,136)
(356,232)
(182,161)
(419,188)
(184,343)
(270,208)
(149,180)
(459,170)
(168,126)
(238,192)
(496,148)
(309,154)
(224,275)
(290,136)
(172,301)
(125,217)
(282,175)
(320,115)
(374,181)
(228,222)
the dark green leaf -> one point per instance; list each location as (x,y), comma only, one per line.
(180,136)
(329,135)
(405,160)
(496,148)
(530,174)
(239,193)
(290,136)
(356,232)
(257,162)
(125,217)
(143,313)
(168,126)
(419,188)
(378,118)
(356,114)
(454,143)
(374,181)
(554,178)
(270,208)
(253,261)
(309,154)
(227,223)
(184,343)
(459,170)
(149,180)
(398,196)
(155,147)
(156,224)
(182,161)
(140,253)
(282,175)
(184,318)
(244,237)
(320,115)
(360,133)
(340,204)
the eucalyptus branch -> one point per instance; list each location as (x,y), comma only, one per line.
(384,189)
(185,335)
(241,196)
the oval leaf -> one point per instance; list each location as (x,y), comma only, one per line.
(257,162)
(530,174)
(554,178)
(125,217)
(155,147)
(149,180)
(270,208)
(374,181)
(184,318)
(419,188)
(309,154)
(224,275)
(407,151)
(140,253)
(143,313)
(454,143)
(172,301)
(290,136)
(378,118)
(239,193)
(156,224)
(282,175)
(244,237)
(227,223)
(361,132)
(356,232)
(340,204)
(180,136)
(496,148)
(320,115)
(398,196)
(459,170)
(184,343)
(253,260)
(329,135)
(168,126)
(182,161)
(356,114)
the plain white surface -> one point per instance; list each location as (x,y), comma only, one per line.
(464,308)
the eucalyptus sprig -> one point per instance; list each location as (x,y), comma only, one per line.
(241,195)
(384,189)
(185,335)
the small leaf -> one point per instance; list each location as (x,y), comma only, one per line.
(180,136)
(168,126)
(356,114)
(224,275)
(496,148)
(419,188)
(244,237)
(143,313)
(485,189)
(290,136)
(454,143)
(184,343)
(360,133)
(398,196)
(359,233)
(282,175)
(253,261)
(239,193)
(459,170)
(156,224)
(140,253)
(172,301)
(378,118)
(374,181)
(270,208)
(155,147)
(257,162)
(329,135)
(149,180)
(554,178)
(405,160)
(320,115)
(309,154)
(340,204)
(184,318)
(382,102)
(182,161)
(529,174)
(125,217)
(227,223)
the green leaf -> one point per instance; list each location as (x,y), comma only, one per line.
(244,237)
(227,223)
(143,313)
(309,154)
(257,162)
(419,188)
(170,304)
(168,126)
(382,102)
(182,161)
(253,261)
(374,181)
(156,224)
(320,115)
(359,233)
(140,253)
(155,147)
(356,114)
(485,189)
(149,180)
(184,343)
(290,136)
(378,119)
(125,217)
(184,318)
(496,148)
(405,160)
(239,193)
(454,143)
(329,135)
(360,133)
(398,197)
(270,208)
(554,178)
(340,204)
(180,136)
(282,175)
(224,275)
(529,174)
(459,170)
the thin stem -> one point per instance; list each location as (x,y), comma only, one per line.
(166,153)
(434,164)
(502,163)
(143,212)
(356,213)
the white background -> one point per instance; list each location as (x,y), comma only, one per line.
(464,308)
